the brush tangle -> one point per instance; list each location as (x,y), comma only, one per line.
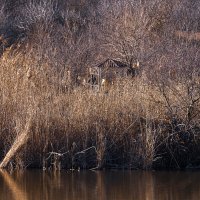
(147,121)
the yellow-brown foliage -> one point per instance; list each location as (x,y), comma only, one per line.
(134,124)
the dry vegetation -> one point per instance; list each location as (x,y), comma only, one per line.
(150,121)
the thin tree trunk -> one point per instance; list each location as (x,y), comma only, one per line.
(20,141)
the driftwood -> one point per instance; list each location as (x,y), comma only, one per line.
(18,143)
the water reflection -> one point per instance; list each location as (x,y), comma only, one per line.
(36,185)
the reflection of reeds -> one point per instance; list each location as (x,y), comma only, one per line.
(17,192)
(102,185)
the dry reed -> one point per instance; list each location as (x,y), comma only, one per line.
(134,125)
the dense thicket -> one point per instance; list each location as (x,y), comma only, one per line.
(149,121)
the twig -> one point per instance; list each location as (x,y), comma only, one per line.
(84,151)
(57,154)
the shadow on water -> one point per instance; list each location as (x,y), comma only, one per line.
(32,185)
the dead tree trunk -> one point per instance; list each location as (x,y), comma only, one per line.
(18,143)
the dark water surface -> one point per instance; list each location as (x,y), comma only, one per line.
(119,185)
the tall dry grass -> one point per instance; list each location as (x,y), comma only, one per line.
(136,124)
(150,121)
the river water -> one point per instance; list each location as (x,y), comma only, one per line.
(108,185)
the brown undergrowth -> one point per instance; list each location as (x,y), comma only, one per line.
(136,124)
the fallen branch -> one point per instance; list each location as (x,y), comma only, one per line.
(56,154)
(18,143)
(84,151)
